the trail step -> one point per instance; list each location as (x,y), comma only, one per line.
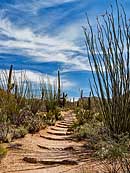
(58,129)
(69,148)
(54,137)
(50,162)
(61,133)
(61,126)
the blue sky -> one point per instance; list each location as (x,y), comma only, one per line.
(42,36)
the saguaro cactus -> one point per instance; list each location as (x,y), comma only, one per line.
(64,99)
(89,101)
(81,94)
(10,85)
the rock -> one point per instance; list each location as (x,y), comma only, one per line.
(69,148)
(30,160)
(15,146)
(69,162)
(40,146)
(50,162)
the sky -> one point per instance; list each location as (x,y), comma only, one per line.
(42,36)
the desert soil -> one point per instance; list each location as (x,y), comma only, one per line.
(52,150)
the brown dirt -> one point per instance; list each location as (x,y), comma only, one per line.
(52,150)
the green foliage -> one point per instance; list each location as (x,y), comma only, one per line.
(35,105)
(34,123)
(89,131)
(3,152)
(83,116)
(114,154)
(83,131)
(86,125)
(6,132)
(20,132)
(113,149)
(53,116)
(20,108)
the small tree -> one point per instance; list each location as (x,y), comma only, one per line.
(108,52)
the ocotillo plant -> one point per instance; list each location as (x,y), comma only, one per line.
(16,91)
(108,51)
(59,88)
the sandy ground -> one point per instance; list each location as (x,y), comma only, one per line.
(52,150)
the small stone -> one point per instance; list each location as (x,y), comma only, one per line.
(30,160)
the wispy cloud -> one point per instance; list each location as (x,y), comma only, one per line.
(32,5)
(44,35)
(41,48)
(36,78)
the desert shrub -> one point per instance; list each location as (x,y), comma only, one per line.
(23,116)
(50,118)
(20,106)
(9,108)
(20,132)
(88,124)
(83,116)
(87,131)
(110,148)
(3,152)
(114,154)
(57,113)
(34,123)
(6,132)
(34,105)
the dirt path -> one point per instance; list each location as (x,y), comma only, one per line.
(50,151)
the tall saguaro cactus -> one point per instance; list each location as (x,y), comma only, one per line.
(89,101)
(64,99)
(81,94)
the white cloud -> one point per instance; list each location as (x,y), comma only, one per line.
(35,77)
(32,6)
(40,48)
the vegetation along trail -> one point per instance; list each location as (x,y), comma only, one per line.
(50,150)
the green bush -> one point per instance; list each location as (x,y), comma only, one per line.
(88,131)
(6,132)
(3,152)
(83,116)
(114,154)
(35,123)
(20,107)
(20,132)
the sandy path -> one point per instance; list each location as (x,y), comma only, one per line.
(50,151)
